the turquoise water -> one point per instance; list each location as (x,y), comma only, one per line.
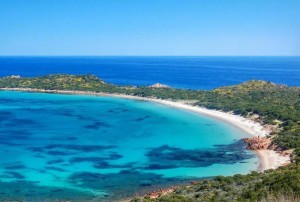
(104,148)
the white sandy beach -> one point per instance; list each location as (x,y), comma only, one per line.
(269,159)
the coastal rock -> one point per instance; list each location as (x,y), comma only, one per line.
(258,143)
(158,85)
(161,192)
(14,76)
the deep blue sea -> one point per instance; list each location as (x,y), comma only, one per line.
(179,72)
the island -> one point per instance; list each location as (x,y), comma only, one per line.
(270,111)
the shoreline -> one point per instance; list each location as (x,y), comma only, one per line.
(269,159)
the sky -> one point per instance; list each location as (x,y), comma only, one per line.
(150,27)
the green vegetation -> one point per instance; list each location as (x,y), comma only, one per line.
(282,183)
(275,104)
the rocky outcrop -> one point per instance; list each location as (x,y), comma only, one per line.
(158,85)
(161,192)
(14,76)
(258,143)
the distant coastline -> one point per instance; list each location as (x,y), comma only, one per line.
(269,159)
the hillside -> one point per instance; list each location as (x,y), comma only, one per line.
(270,186)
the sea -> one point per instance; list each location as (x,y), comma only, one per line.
(178,72)
(56,147)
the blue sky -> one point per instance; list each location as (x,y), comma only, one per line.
(149,27)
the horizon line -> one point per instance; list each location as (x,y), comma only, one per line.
(149,55)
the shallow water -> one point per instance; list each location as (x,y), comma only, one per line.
(85,147)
